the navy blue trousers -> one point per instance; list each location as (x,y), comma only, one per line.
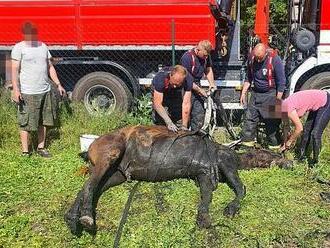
(316,122)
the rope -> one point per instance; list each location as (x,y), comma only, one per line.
(125,215)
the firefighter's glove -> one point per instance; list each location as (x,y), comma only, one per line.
(172,127)
(212,89)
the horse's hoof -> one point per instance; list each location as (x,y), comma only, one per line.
(73,223)
(87,221)
(203,221)
(230,211)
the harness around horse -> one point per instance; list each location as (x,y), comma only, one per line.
(212,107)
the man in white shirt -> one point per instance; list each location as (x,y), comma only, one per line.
(31,66)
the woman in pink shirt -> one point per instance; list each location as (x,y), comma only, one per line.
(317,103)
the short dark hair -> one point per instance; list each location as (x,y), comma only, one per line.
(29,28)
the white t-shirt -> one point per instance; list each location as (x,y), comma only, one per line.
(33,73)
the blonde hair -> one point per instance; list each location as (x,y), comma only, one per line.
(179,69)
(205,45)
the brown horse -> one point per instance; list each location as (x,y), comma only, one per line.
(153,154)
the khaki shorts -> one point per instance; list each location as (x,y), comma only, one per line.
(36,110)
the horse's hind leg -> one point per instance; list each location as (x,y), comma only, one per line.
(115,179)
(206,188)
(71,217)
(235,183)
(92,186)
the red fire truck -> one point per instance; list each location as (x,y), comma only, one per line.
(105,50)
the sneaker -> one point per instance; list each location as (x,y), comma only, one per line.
(26,154)
(43,153)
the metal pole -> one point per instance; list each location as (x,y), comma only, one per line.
(173,42)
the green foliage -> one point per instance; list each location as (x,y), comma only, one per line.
(282,208)
(278,23)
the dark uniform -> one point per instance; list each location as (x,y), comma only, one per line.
(266,78)
(197,68)
(172,97)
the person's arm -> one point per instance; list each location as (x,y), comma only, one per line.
(210,78)
(14,77)
(246,87)
(279,95)
(199,90)
(298,128)
(53,76)
(186,108)
(280,79)
(159,108)
(247,83)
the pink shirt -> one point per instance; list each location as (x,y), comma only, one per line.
(305,101)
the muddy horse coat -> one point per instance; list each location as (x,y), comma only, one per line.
(153,154)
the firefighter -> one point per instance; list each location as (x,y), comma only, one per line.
(198,64)
(172,97)
(266,78)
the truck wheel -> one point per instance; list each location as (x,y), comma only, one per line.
(319,81)
(102,93)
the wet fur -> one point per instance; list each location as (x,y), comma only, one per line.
(152,153)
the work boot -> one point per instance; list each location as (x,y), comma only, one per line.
(274,148)
(248,143)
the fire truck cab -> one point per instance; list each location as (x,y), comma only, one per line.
(308,51)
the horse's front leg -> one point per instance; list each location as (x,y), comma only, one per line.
(206,188)
(235,183)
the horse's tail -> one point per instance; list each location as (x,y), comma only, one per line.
(84,156)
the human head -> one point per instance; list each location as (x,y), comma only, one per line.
(203,49)
(29,31)
(276,110)
(177,76)
(259,52)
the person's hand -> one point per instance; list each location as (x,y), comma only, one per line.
(183,128)
(61,90)
(202,92)
(172,127)
(212,89)
(282,148)
(16,96)
(286,146)
(243,99)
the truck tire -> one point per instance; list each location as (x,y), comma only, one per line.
(102,93)
(304,40)
(319,81)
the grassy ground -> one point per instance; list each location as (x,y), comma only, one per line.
(282,208)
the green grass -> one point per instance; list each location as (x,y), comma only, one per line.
(282,208)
